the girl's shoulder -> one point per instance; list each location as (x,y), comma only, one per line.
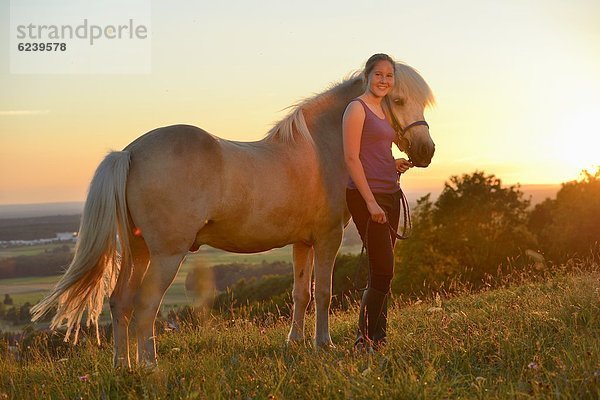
(355,112)
(355,105)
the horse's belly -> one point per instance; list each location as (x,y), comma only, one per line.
(247,237)
(245,248)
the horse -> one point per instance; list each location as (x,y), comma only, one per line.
(179,187)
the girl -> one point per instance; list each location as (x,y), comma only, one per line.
(373,193)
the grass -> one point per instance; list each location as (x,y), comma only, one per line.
(532,340)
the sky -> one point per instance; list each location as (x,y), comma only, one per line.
(517,85)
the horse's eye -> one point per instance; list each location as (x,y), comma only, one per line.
(399,101)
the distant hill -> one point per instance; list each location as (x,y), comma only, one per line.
(40,209)
(537,193)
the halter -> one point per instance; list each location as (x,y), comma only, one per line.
(396,125)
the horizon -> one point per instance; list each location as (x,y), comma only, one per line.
(414,192)
(520,103)
(535,193)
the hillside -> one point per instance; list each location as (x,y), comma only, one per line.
(532,340)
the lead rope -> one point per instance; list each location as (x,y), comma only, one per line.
(406,230)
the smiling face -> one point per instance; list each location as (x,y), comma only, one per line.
(381,79)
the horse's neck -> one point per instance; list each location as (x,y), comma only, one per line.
(324,118)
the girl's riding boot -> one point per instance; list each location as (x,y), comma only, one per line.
(372,319)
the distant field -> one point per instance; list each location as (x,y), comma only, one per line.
(33,289)
(31,250)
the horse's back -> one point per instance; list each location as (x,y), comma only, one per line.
(176,139)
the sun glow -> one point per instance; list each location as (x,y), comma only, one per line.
(579,142)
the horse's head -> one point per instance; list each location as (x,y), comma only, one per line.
(405,105)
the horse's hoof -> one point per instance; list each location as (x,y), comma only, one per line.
(295,338)
(121,364)
(363,346)
(148,367)
(122,368)
(325,345)
(294,342)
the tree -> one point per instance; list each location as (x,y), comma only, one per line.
(570,224)
(24,312)
(470,230)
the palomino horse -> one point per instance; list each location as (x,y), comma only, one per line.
(178,187)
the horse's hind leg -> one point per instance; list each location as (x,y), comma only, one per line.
(121,300)
(326,248)
(303,266)
(161,272)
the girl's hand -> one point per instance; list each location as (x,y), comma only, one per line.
(377,213)
(403,165)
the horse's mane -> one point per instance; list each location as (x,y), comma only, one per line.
(407,78)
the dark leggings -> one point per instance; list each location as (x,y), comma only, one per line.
(380,245)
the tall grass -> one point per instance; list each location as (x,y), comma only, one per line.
(534,339)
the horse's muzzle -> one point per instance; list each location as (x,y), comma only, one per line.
(423,155)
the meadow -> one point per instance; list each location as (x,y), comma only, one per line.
(532,338)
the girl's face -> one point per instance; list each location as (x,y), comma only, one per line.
(381,79)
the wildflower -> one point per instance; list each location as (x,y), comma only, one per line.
(532,365)
(172,326)
(438,300)
(84,378)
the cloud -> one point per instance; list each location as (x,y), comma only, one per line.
(10,113)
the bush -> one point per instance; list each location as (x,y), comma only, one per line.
(472,228)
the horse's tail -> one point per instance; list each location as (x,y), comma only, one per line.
(102,250)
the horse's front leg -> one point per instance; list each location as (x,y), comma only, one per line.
(303,266)
(326,249)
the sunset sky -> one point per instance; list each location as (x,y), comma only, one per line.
(517,85)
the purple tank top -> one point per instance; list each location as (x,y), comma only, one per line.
(376,154)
